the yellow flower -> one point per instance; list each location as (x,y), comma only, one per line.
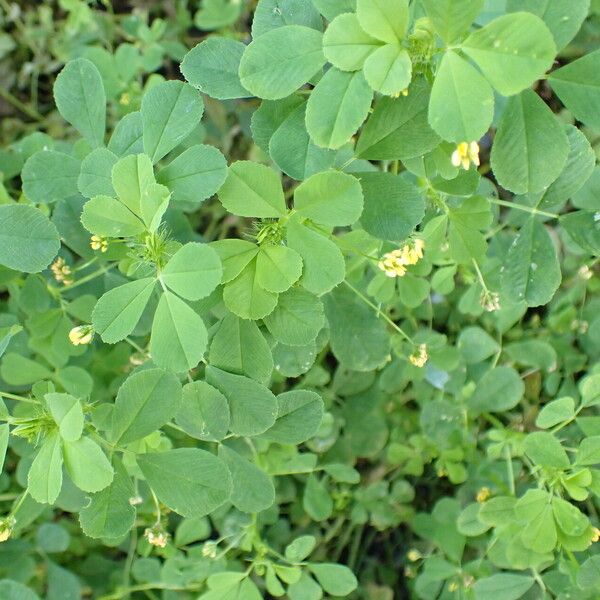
(61,271)
(209,550)
(81,335)
(465,155)
(394,263)
(156,536)
(490,301)
(453,587)
(99,243)
(596,534)
(6,528)
(413,555)
(415,253)
(483,494)
(420,357)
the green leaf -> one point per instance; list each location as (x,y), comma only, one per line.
(253,489)
(95,175)
(108,217)
(388,70)
(253,407)
(584,228)
(466,222)
(531,146)
(280,61)
(109,514)
(577,84)
(213,65)
(235,256)
(324,265)
(499,390)
(452,18)
(393,206)
(577,170)
(204,412)
(513,51)
(127,137)
(6,335)
(346,45)
(145,402)
(131,176)
(569,518)
(170,111)
(246,298)
(476,345)
(386,20)
(13,590)
(502,586)
(153,205)
(398,128)
(337,107)
(49,176)
(299,416)
(118,311)
(28,240)
(253,190)
(301,548)
(562,17)
(87,465)
(359,340)
(316,500)
(44,480)
(277,268)
(461,106)
(337,580)
(297,319)
(80,99)
(535,510)
(556,412)
(588,576)
(189,481)
(196,174)
(271,14)
(531,271)
(238,346)
(545,450)
(331,198)
(4,435)
(269,117)
(179,337)
(67,414)
(589,451)
(193,272)
(293,151)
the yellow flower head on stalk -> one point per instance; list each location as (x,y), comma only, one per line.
(156,536)
(6,528)
(81,335)
(99,243)
(490,301)
(420,357)
(596,535)
(466,154)
(414,555)
(483,494)
(394,263)
(61,271)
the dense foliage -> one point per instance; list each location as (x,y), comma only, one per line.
(300,299)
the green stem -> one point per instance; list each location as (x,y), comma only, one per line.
(529,209)
(87,278)
(510,470)
(19,398)
(21,106)
(381,314)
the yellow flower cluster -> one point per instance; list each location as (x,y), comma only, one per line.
(490,301)
(483,494)
(81,335)
(156,536)
(420,357)
(99,243)
(61,271)
(394,263)
(466,154)
(6,528)
(596,535)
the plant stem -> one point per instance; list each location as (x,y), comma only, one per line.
(529,209)
(381,314)
(21,106)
